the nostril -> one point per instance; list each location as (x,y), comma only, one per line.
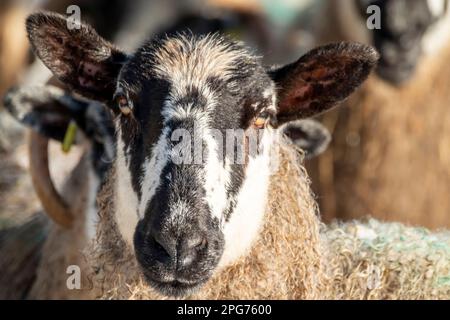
(189,250)
(195,244)
(159,247)
(164,251)
(201,244)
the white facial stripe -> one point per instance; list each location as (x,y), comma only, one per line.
(246,220)
(152,169)
(126,202)
(212,57)
(217,176)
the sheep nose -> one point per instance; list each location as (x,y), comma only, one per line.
(164,247)
(179,251)
(188,250)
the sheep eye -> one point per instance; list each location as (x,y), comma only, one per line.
(123,103)
(261,120)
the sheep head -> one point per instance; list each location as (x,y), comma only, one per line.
(196,119)
(403,31)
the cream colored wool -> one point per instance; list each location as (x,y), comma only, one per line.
(285,262)
(296,257)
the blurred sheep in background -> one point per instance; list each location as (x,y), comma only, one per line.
(390,154)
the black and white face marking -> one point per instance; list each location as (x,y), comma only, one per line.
(407,29)
(187,219)
(198,90)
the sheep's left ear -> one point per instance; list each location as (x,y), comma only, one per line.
(321,79)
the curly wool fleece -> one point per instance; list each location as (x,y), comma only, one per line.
(295,256)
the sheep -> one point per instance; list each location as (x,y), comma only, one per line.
(389,157)
(342,261)
(42,108)
(48,111)
(214,199)
(303,257)
(282,241)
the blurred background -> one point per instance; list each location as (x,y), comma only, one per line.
(390,155)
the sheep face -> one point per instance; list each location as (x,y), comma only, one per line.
(195,122)
(406,27)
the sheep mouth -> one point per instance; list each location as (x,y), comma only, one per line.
(176,288)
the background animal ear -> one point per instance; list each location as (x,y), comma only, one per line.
(309,135)
(49,110)
(321,79)
(79,57)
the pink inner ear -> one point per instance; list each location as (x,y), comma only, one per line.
(298,98)
(320,73)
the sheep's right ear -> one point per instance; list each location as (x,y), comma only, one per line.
(78,56)
(321,79)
